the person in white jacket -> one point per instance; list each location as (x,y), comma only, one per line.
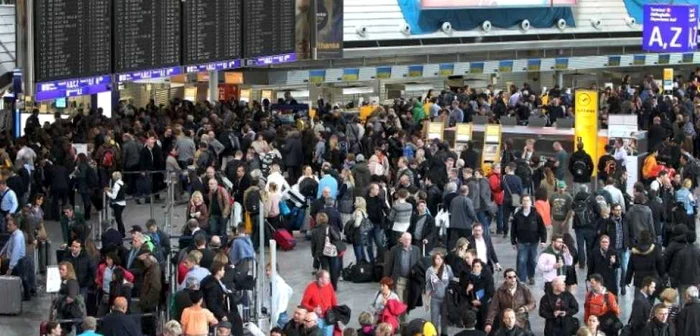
(277,304)
(554,260)
(277,178)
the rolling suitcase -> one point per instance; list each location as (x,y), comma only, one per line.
(11,292)
(284,239)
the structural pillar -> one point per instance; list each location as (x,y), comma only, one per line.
(559,78)
(213,86)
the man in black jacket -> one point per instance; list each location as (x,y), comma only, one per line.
(688,320)
(527,230)
(84,267)
(641,307)
(658,325)
(484,247)
(558,308)
(581,166)
(295,326)
(118,323)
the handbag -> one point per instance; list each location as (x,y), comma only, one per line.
(329,250)
(609,322)
(514,198)
(284,208)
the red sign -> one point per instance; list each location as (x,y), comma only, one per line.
(452,4)
(228,91)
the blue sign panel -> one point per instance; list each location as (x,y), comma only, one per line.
(73,87)
(149,74)
(670,28)
(214,66)
(269,60)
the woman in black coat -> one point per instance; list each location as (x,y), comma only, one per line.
(604,260)
(213,290)
(85,179)
(479,290)
(120,287)
(645,261)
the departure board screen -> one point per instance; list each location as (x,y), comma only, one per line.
(268,27)
(73,39)
(212,31)
(147,34)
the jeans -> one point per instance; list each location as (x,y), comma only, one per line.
(438,315)
(507,212)
(624,260)
(526,260)
(376,236)
(586,235)
(499,219)
(217,226)
(360,247)
(326,329)
(144,186)
(485,219)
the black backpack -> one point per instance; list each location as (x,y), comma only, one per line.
(522,170)
(582,213)
(579,168)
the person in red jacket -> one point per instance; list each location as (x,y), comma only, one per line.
(111,263)
(319,297)
(495,179)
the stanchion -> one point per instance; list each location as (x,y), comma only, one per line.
(261,264)
(273,284)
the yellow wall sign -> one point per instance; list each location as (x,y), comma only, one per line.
(586,123)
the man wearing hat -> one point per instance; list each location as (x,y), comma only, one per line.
(223,328)
(561,202)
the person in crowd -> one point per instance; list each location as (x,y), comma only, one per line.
(219,208)
(457,258)
(437,278)
(462,217)
(117,322)
(361,227)
(639,218)
(399,263)
(117,200)
(84,267)
(641,308)
(103,279)
(120,287)
(484,247)
(645,261)
(479,289)
(312,325)
(544,209)
(377,210)
(668,298)
(617,229)
(71,221)
(386,292)
(346,196)
(400,216)
(325,240)
(688,320)
(601,303)
(558,308)
(592,327)
(241,252)
(514,296)
(53,329)
(562,211)
(659,324)
(422,227)
(278,302)
(527,230)
(197,320)
(510,327)
(173,328)
(554,260)
(197,209)
(513,188)
(605,262)
(319,296)
(150,290)
(581,166)
(13,253)
(69,304)
(685,197)
(295,326)
(192,268)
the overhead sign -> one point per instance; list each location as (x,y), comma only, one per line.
(442,4)
(149,74)
(586,123)
(73,87)
(670,28)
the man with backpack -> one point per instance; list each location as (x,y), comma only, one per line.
(585,219)
(607,166)
(581,166)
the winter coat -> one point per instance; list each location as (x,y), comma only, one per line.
(293,152)
(682,262)
(462,211)
(688,320)
(392,310)
(638,219)
(560,325)
(150,287)
(502,300)
(581,155)
(362,178)
(599,263)
(644,261)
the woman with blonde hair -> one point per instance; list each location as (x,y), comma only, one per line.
(668,299)
(69,303)
(197,209)
(272,205)
(360,230)
(345,198)
(456,259)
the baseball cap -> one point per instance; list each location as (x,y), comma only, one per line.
(561,184)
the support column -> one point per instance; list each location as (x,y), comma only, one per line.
(560,78)
(213,86)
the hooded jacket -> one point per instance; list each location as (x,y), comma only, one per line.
(645,260)
(362,178)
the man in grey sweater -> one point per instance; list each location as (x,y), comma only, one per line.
(185,149)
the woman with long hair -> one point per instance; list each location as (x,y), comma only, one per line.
(69,303)
(345,198)
(361,229)
(120,286)
(437,278)
(334,154)
(197,209)
(103,280)
(85,178)
(456,258)
(549,182)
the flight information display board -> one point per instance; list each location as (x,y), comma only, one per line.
(268,27)
(212,32)
(147,36)
(72,39)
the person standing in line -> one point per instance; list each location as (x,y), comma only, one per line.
(117,197)
(463,217)
(561,163)
(437,278)
(561,203)
(688,321)
(513,188)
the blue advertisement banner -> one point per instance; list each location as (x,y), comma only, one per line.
(534,65)
(317,76)
(614,61)
(505,66)
(274,59)
(688,58)
(383,72)
(561,64)
(447,69)
(415,71)
(476,67)
(73,87)
(670,28)
(639,60)
(351,74)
